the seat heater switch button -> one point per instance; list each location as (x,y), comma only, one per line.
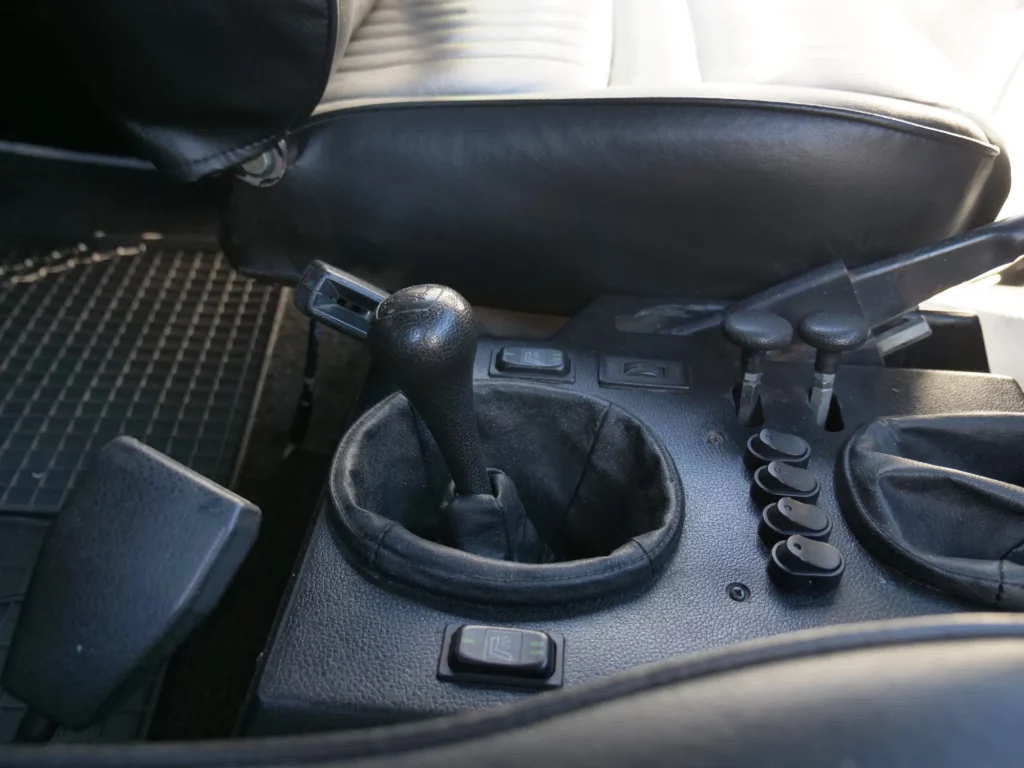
(778,480)
(507,652)
(532,360)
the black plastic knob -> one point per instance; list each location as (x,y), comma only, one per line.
(756,332)
(425,337)
(832,334)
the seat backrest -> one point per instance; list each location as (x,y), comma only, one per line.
(205,84)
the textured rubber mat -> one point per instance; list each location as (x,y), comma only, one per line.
(164,344)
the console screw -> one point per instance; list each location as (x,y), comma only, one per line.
(738,592)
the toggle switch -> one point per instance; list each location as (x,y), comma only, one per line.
(799,564)
(532,361)
(789,517)
(495,650)
(769,445)
(777,480)
(526,658)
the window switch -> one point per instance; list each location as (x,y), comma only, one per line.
(639,368)
(638,373)
(523,657)
(531,363)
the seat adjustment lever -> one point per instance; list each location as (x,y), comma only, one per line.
(337,299)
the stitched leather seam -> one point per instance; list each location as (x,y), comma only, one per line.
(880,533)
(380,543)
(327,68)
(670,539)
(214,156)
(629,564)
(586,464)
(650,560)
(1002,570)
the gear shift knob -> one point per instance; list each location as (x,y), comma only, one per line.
(425,336)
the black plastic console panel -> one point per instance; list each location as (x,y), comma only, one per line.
(351,652)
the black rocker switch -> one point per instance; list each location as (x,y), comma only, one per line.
(789,517)
(799,564)
(524,658)
(768,446)
(777,480)
(831,334)
(530,361)
(512,652)
(756,333)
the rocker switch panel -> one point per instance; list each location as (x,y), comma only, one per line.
(481,654)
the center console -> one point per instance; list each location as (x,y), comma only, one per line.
(507,517)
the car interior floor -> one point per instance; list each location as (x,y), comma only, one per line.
(513,382)
(107,331)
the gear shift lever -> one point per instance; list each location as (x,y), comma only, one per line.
(425,336)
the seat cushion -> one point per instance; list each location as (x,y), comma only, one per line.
(965,54)
(537,154)
(544,204)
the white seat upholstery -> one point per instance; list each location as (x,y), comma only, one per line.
(961,53)
(958,51)
(411,48)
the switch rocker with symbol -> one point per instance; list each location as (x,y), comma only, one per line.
(520,657)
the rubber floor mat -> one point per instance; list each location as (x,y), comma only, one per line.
(162,343)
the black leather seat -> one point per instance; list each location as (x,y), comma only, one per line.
(537,153)
(942,691)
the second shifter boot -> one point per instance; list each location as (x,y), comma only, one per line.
(941,498)
(494,526)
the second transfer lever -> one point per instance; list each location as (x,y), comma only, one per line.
(425,337)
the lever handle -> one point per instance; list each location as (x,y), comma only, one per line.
(425,337)
(832,334)
(756,332)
